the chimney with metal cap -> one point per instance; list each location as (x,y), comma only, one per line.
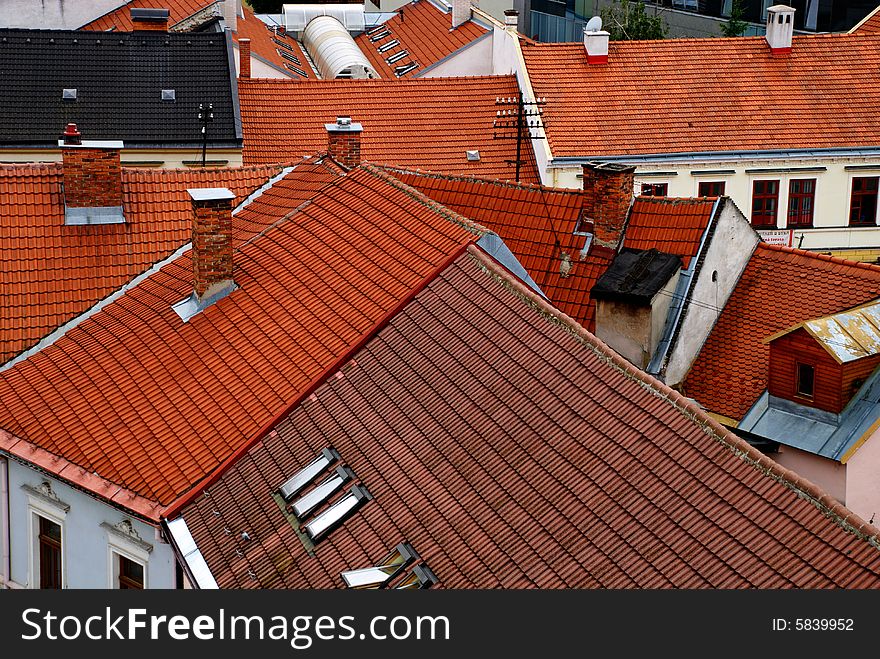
(511,20)
(344,142)
(92,179)
(244,58)
(212,242)
(155,20)
(780,28)
(608,194)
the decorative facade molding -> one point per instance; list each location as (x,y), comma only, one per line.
(125,530)
(43,492)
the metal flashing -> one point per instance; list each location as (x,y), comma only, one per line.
(82,216)
(190,555)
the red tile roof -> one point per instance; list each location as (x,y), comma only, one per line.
(657,96)
(416,124)
(779,288)
(425,32)
(154,404)
(674,226)
(512,449)
(264,46)
(537,224)
(120,19)
(55,272)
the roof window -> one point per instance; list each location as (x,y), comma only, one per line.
(379,35)
(337,513)
(307,503)
(385,47)
(405,68)
(396,57)
(421,577)
(68,94)
(169,95)
(308,473)
(388,568)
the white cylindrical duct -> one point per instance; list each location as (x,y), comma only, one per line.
(334,51)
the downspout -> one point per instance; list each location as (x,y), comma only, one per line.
(5,554)
(682,296)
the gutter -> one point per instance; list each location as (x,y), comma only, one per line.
(699,156)
(5,551)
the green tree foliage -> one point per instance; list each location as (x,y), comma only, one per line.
(628,21)
(735,25)
(266,6)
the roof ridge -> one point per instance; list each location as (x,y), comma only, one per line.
(819,256)
(842,516)
(456,218)
(480,179)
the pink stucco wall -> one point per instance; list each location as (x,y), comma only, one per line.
(830,475)
(863,480)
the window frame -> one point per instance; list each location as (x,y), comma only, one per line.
(764,196)
(664,187)
(134,550)
(800,196)
(44,504)
(853,195)
(797,381)
(700,185)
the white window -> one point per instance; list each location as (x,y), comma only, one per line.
(128,556)
(47,564)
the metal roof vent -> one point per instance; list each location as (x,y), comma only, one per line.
(169,95)
(473,155)
(68,94)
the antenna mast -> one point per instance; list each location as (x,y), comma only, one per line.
(524,117)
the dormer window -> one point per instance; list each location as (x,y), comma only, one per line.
(806,379)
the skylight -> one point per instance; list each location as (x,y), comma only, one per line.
(378,36)
(388,568)
(337,513)
(385,47)
(306,504)
(405,68)
(297,70)
(396,57)
(278,41)
(290,57)
(421,577)
(308,473)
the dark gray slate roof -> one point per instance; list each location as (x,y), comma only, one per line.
(636,276)
(119,78)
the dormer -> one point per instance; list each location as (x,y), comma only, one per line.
(822,363)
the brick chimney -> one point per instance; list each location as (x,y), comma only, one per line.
(596,44)
(212,243)
(344,141)
(154,20)
(608,194)
(244,58)
(461,12)
(780,27)
(92,179)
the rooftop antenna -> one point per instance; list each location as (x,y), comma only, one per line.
(524,117)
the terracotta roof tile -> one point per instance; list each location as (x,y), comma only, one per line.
(514,450)
(55,272)
(407,123)
(154,404)
(119,19)
(748,101)
(425,32)
(267,45)
(674,226)
(779,288)
(870,24)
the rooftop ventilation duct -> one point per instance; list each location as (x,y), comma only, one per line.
(333,50)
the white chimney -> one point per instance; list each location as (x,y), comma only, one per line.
(511,20)
(461,12)
(231,12)
(596,41)
(780,27)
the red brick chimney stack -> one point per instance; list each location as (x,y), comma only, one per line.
(244,58)
(92,173)
(344,141)
(212,241)
(149,20)
(608,194)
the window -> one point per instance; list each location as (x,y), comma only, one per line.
(765,199)
(308,473)
(806,376)
(654,189)
(50,553)
(337,513)
(131,573)
(801,198)
(388,568)
(711,189)
(863,202)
